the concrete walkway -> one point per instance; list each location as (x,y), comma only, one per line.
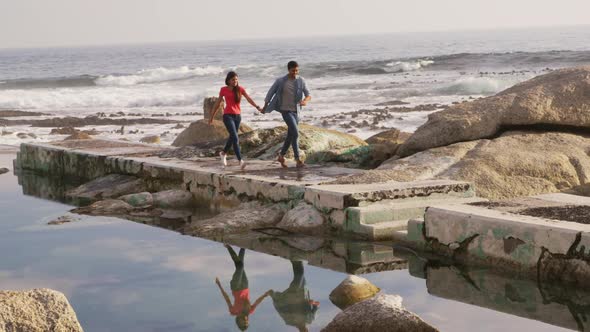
(371,211)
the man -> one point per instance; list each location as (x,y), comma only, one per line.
(287,95)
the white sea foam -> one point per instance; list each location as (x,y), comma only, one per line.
(157,75)
(401,66)
(111,97)
(478,86)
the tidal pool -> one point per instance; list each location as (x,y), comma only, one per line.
(121,275)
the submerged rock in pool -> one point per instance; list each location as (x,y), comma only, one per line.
(113,185)
(37,310)
(303,218)
(351,290)
(108,207)
(380,313)
(174,198)
(247,217)
(143,199)
(4,170)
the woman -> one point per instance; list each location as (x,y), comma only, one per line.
(241,308)
(232,93)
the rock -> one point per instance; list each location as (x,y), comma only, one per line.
(153,139)
(77,135)
(559,98)
(178,126)
(64,131)
(4,170)
(173,199)
(546,162)
(107,207)
(113,185)
(11,113)
(32,135)
(303,218)
(208,104)
(6,133)
(63,220)
(351,290)
(22,135)
(380,313)
(391,136)
(201,132)
(87,121)
(246,217)
(143,199)
(37,310)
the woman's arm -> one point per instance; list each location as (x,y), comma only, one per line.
(251,101)
(215,107)
(225,296)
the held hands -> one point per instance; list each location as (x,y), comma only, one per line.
(260,109)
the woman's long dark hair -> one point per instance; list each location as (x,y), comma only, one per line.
(237,94)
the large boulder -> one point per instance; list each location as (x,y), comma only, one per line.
(380,313)
(351,290)
(142,199)
(173,198)
(247,217)
(515,164)
(559,98)
(37,310)
(208,104)
(303,218)
(202,132)
(266,143)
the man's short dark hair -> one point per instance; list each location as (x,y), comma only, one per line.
(292,64)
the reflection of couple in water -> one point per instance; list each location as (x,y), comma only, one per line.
(293,304)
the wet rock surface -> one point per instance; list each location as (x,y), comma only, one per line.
(4,170)
(351,290)
(142,199)
(37,310)
(173,199)
(575,213)
(380,313)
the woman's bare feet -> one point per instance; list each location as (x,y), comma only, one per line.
(281,161)
(242,165)
(300,164)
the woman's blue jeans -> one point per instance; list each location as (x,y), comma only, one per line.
(232,124)
(292,120)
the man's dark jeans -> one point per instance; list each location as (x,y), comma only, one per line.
(292,120)
(232,124)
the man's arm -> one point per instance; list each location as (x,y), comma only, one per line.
(306,94)
(273,89)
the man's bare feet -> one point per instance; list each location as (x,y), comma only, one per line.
(281,161)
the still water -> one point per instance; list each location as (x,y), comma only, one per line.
(121,275)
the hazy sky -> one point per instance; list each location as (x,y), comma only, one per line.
(31,23)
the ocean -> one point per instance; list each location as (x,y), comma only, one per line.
(344,74)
